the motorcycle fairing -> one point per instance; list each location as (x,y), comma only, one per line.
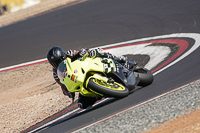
(73,74)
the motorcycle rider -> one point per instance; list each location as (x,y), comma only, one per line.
(56,55)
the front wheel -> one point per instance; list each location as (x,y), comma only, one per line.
(145,76)
(108,89)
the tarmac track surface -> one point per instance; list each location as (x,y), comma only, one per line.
(99,22)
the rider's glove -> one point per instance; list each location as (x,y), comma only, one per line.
(67,93)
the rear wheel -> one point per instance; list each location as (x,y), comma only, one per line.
(113,89)
(145,76)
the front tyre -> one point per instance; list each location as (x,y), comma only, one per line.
(108,89)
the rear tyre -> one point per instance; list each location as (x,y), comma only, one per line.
(108,89)
(145,76)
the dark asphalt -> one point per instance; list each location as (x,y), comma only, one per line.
(99,22)
(93,23)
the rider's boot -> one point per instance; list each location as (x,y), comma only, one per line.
(123,60)
(120,59)
(86,102)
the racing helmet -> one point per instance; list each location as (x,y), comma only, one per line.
(55,56)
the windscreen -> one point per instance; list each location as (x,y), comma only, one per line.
(62,70)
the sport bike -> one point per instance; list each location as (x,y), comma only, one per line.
(102,77)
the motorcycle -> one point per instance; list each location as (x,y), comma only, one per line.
(102,77)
